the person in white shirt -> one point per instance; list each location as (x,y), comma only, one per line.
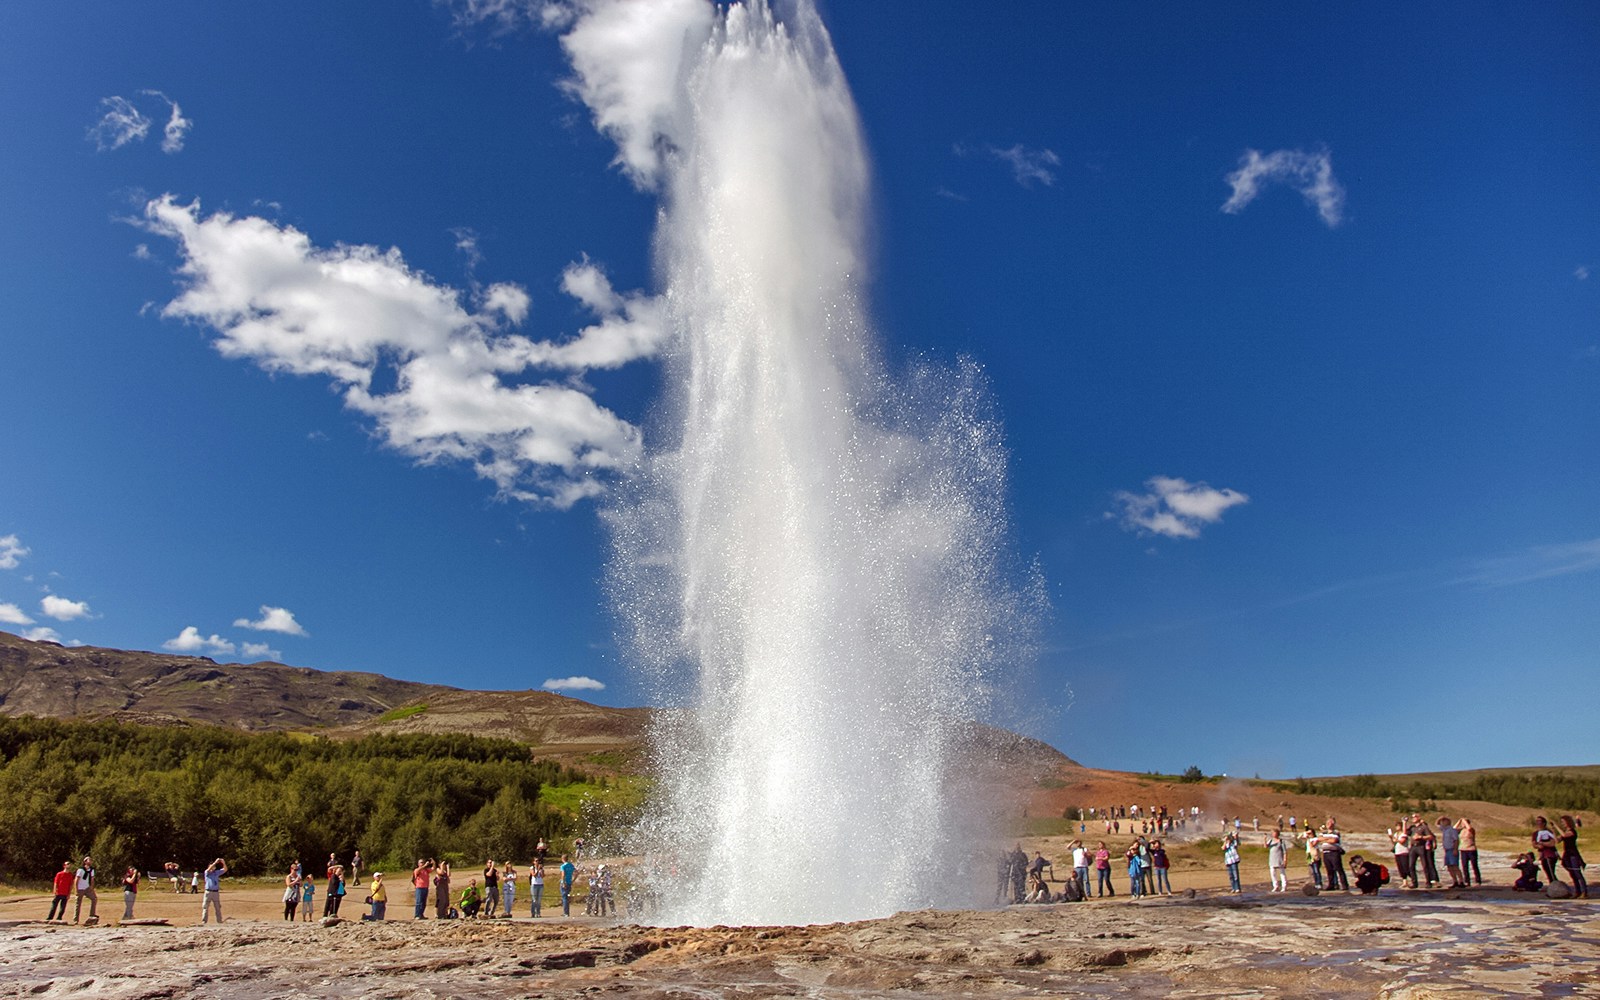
(1277,861)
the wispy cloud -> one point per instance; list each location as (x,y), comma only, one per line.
(119,124)
(177,127)
(1581,272)
(1175,508)
(259,651)
(573,684)
(273,620)
(42,634)
(504,16)
(1538,562)
(1028,166)
(191,641)
(63,610)
(10,614)
(463,383)
(1311,174)
(12,551)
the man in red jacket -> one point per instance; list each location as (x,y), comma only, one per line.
(64,882)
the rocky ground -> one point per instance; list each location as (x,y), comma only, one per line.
(1487,941)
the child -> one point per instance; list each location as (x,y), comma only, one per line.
(308,893)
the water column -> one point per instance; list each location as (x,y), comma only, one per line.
(812,543)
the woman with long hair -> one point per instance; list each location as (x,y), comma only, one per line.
(1571,860)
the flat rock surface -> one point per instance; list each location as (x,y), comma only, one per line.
(1486,941)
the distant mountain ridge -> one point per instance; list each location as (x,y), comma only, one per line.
(50,680)
(47,679)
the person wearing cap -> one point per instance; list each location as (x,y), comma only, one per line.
(378,897)
(85,876)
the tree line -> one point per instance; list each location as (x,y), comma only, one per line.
(144,795)
(1551,790)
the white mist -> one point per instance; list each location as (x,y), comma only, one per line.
(809,557)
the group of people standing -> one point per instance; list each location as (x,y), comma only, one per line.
(496,896)
(1550,847)
(300,891)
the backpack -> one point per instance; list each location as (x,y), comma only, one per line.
(1383,874)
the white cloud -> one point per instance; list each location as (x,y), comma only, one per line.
(42,634)
(10,614)
(1311,174)
(508,300)
(273,620)
(627,59)
(191,641)
(177,127)
(1029,165)
(573,684)
(462,390)
(120,123)
(63,610)
(503,16)
(1539,562)
(12,551)
(258,651)
(1174,507)
(1581,272)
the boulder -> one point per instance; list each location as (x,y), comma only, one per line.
(1558,890)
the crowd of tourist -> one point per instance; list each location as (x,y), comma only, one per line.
(1416,841)
(1416,844)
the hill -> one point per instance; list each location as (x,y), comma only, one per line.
(48,680)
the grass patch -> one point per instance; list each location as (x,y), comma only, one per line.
(613,793)
(1047,826)
(396,714)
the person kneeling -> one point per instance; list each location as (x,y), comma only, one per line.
(470,901)
(1368,876)
(1528,879)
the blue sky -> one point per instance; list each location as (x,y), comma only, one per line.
(1292,320)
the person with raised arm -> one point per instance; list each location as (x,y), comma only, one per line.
(211,902)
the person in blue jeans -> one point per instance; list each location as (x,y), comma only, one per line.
(1158,859)
(1080,867)
(1230,856)
(1102,871)
(1135,872)
(569,871)
(536,888)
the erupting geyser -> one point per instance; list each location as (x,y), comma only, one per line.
(809,557)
